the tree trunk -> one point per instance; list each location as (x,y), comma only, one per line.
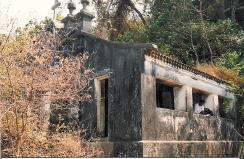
(133,7)
(204,33)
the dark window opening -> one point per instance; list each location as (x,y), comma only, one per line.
(199,96)
(223,107)
(164,95)
(104,101)
(200,104)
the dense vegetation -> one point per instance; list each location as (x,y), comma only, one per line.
(38,84)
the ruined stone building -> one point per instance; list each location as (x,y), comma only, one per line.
(144,101)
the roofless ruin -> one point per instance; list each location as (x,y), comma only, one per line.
(144,101)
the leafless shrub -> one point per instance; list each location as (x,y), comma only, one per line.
(34,74)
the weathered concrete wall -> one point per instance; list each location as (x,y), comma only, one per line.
(137,128)
(157,68)
(192,149)
(120,149)
(124,64)
(170,125)
(176,133)
(181,124)
(171,149)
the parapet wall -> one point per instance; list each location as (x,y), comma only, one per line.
(170,125)
(171,149)
(192,149)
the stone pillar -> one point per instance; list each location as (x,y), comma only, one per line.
(84,20)
(189,98)
(149,107)
(80,21)
(69,23)
(216,104)
(46,112)
(212,102)
(84,17)
(180,98)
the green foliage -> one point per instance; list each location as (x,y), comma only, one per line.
(46,20)
(224,108)
(59,17)
(187,43)
(178,30)
(233,60)
(134,35)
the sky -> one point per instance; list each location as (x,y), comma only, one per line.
(22,11)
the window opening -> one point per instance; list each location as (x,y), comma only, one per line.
(224,104)
(164,95)
(200,104)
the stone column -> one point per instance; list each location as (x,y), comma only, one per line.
(216,104)
(80,21)
(189,107)
(46,112)
(180,98)
(84,20)
(149,107)
(189,98)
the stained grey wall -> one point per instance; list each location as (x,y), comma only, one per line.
(136,127)
(181,124)
(124,64)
